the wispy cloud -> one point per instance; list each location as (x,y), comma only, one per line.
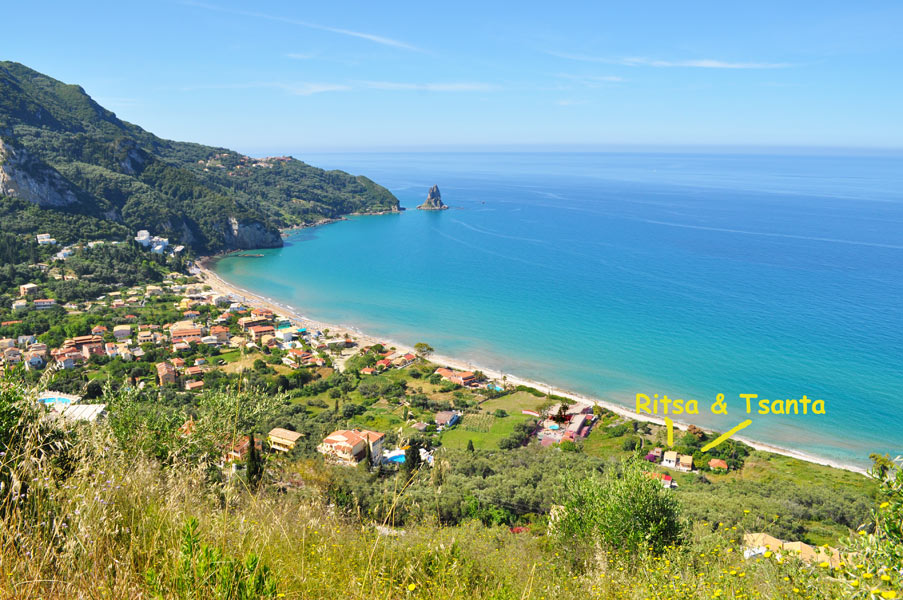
(570,102)
(376,39)
(462,86)
(301,55)
(307,88)
(641,61)
(591,80)
(303,88)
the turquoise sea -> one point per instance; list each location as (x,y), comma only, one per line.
(615,273)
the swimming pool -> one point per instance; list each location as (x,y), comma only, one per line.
(398,458)
(52,398)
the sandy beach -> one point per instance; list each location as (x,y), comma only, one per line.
(203,270)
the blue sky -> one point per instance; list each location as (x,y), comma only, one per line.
(279,76)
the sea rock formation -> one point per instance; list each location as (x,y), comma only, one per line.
(433,200)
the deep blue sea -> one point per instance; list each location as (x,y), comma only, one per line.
(615,273)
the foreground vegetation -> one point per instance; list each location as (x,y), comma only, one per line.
(88,513)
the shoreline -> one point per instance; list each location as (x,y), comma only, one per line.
(203,266)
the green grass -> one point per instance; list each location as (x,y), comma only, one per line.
(485,431)
(514,403)
(598,444)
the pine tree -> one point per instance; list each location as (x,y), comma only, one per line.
(470,445)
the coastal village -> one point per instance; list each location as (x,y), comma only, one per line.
(188,335)
(182,335)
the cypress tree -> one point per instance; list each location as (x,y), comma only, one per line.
(255,465)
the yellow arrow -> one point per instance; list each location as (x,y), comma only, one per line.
(670,425)
(724,436)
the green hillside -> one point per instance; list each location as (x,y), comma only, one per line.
(65,153)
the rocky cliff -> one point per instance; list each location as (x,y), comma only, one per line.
(433,200)
(27,177)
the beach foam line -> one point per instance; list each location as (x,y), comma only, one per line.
(215,281)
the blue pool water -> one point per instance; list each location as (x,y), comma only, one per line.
(613,274)
(55,400)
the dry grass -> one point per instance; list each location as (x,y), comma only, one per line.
(83,518)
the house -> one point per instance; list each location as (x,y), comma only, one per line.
(166,373)
(383,364)
(685,463)
(464,378)
(121,332)
(177,362)
(446,418)
(258,331)
(38,348)
(670,459)
(195,371)
(89,350)
(221,332)
(124,352)
(23,341)
(657,453)
(285,335)
(403,361)
(262,313)
(239,450)
(716,464)
(245,323)
(145,337)
(28,289)
(19,304)
(98,330)
(81,340)
(180,333)
(44,239)
(34,361)
(421,426)
(350,447)
(667,480)
(756,544)
(283,440)
(153,290)
(368,371)
(44,303)
(579,425)
(191,385)
(7,343)
(760,542)
(12,356)
(211,340)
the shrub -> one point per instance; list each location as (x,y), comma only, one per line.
(623,510)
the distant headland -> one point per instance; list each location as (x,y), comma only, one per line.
(433,200)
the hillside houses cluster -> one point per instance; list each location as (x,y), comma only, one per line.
(129,338)
(389,359)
